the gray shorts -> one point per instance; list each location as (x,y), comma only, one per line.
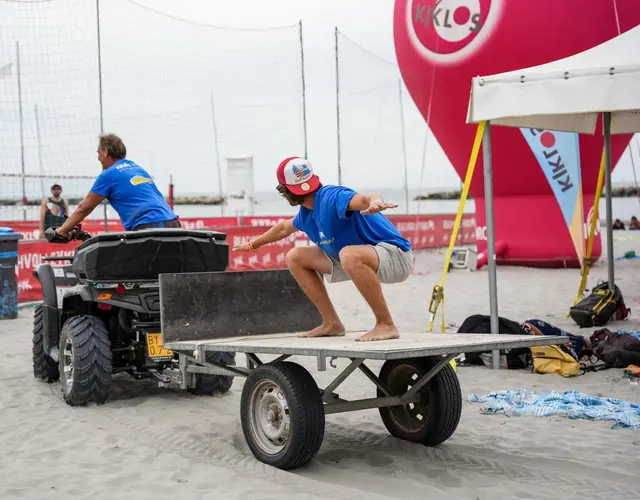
(395,265)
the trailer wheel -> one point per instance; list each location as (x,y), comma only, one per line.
(44,368)
(85,361)
(432,420)
(208,385)
(282,415)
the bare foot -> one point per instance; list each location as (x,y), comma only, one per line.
(326,330)
(380,332)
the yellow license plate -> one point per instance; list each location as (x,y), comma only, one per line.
(155,347)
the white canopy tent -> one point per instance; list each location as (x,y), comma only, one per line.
(565,95)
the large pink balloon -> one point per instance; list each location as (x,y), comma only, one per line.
(442,44)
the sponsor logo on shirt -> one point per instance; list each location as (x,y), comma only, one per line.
(125,164)
(138,179)
(327,241)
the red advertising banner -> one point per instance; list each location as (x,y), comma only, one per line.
(424,232)
(30,255)
(434,231)
(30,231)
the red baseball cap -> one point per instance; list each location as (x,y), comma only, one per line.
(297,174)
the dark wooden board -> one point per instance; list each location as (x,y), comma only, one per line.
(212,305)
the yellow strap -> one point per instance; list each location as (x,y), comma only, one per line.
(436,297)
(443,327)
(438,290)
(592,232)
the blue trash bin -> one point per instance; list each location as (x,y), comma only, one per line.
(8,284)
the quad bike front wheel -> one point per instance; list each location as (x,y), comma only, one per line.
(44,368)
(85,361)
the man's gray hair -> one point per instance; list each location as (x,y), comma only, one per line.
(114,146)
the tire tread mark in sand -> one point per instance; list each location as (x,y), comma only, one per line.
(194,449)
(343,436)
(187,446)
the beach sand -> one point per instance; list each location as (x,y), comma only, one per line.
(153,443)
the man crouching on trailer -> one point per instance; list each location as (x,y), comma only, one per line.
(354,241)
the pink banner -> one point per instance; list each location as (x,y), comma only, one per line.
(441,45)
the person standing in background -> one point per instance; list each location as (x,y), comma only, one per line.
(53,210)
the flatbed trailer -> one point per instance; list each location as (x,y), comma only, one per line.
(283,410)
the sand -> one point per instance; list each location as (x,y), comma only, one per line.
(153,443)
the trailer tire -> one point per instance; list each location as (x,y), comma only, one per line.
(435,418)
(282,415)
(44,367)
(208,385)
(85,360)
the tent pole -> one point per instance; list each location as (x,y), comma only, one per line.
(491,238)
(606,118)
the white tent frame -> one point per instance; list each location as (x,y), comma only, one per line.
(552,97)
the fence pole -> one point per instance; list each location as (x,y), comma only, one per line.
(99,66)
(338,108)
(215,141)
(104,203)
(304,94)
(404,148)
(40,152)
(24,185)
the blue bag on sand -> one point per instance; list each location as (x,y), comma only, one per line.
(577,341)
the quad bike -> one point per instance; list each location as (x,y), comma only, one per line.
(101,311)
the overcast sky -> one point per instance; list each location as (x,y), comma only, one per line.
(160,76)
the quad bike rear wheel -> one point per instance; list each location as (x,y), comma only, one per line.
(85,361)
(44,368)
(208,385)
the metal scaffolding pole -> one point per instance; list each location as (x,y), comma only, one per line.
(491,238)
(606,118)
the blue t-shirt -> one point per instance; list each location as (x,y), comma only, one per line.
(133,194)
(331,226)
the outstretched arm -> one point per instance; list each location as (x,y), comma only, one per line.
(91,201)
(369,204)
(276,233)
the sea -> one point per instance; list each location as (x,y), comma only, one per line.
(271,204)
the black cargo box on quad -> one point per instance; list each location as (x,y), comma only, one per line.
(142,255)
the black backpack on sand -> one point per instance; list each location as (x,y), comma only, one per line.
(480,323)
(598,307)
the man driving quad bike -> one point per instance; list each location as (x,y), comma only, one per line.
(128,188)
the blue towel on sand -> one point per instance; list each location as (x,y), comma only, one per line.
(633,333)
(570,404)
